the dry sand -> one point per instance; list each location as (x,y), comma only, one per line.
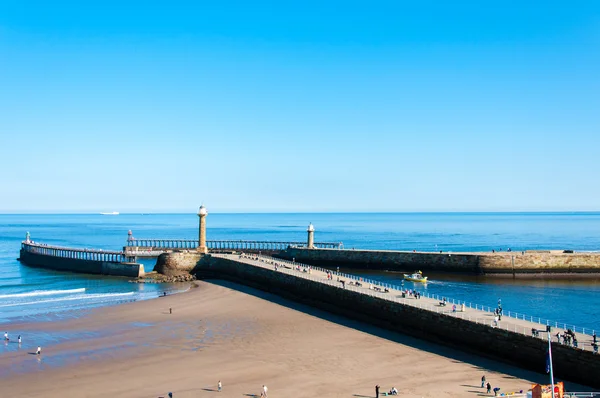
(245,338)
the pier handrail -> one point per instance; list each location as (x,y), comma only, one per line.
(44,245)
(486,311)
(234,244)
(76,253)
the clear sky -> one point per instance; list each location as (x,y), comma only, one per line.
(312,106)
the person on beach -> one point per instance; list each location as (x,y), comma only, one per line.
(19,339)
(6,336)
(377,391)
(482,381)
(489,388)
(264,391)
(594,338)
(170,310)
(219,386)
(39,351)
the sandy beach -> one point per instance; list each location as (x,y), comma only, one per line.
(243,337)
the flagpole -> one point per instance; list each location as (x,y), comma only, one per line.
(550,357)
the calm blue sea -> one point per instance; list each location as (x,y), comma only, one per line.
(41,294)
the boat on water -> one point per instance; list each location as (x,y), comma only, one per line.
(416,277)
(112,213)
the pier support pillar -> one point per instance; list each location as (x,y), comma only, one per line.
(202,213)
(311,236)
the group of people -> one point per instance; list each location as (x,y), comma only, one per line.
(7,339)
(413,293)
(276,264)
(393,391)
(486,384)
(19,341)
(568,338)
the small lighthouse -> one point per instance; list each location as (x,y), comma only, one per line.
(202,213)
(311,236)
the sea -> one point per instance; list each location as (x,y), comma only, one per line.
(28,293)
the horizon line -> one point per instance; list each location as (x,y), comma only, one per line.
(302,212)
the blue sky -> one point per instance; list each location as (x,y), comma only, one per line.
(316,106)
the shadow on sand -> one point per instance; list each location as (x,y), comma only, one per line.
(482,363)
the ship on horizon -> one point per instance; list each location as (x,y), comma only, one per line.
(112,213)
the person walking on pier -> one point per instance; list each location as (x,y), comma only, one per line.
(219,386)
(377,391)
(489,388)
(482,381)
(594,338)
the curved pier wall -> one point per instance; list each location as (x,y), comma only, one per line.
(133,270)
(524,351)
(507,263)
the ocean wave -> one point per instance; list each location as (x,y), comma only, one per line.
(42,293)
(84,297)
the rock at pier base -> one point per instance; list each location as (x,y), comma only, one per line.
(154,277)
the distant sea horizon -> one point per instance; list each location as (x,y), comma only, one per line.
(100,212)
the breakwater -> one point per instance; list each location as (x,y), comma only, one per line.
(473,330)
(505,263)
(101,262)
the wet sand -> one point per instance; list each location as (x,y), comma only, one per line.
(245,338)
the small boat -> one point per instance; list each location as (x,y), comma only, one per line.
(112,213)
(416,277)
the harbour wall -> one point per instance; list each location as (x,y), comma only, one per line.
(506,263)
(523,351)
(133,270)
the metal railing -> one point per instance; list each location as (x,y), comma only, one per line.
(76,253)
(225,244)
(477,313)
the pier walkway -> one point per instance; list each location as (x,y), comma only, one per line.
(78,254)
(511,321)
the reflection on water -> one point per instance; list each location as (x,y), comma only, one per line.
(191,335)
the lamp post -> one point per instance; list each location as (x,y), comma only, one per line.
(548,328)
